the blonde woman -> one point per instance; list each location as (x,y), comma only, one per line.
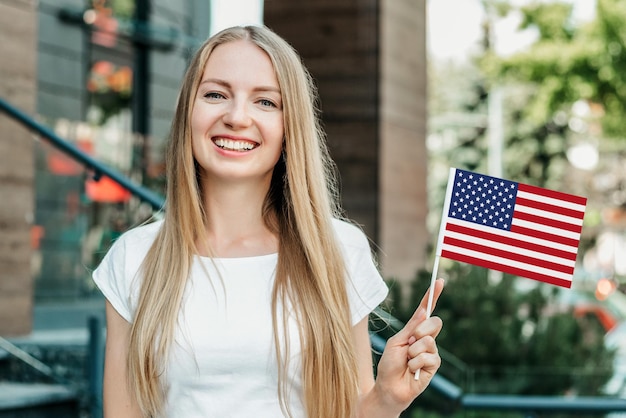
(251,297)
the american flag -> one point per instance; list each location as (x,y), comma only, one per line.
(511,227)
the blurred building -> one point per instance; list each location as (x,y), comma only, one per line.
(105,74)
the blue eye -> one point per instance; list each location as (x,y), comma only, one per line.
(213,95)
(265,102)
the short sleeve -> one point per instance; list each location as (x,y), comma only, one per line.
(118,272)
(110,277)
(366,288)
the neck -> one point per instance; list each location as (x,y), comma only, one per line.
(235,224)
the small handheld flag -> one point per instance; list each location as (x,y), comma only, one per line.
(511,227)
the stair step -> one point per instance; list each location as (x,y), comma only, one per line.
(37,400)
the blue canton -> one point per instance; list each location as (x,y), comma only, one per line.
(483,200)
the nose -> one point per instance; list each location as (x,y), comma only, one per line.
(237,114)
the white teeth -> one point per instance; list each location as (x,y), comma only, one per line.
(234,145)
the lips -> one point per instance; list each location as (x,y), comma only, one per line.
(237,145)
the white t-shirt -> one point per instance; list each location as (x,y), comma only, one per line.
(223,362)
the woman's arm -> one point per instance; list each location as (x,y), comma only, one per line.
(412,348)
(118,401)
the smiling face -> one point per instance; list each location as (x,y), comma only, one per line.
(237,119)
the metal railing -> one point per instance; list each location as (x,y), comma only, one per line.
(82,157)
(529,405)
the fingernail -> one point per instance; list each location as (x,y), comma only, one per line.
(412,340)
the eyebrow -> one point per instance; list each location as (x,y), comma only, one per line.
(228,85)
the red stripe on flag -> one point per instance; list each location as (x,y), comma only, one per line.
(511,241)
(544,235)
(549,208)
(509,255)
(547,221)
(506,269)
(552,194)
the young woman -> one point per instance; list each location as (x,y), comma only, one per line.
(251,297)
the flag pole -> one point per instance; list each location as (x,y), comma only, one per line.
(442,226)
(431,292)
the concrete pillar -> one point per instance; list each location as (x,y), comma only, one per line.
(18,29)
(368,58)
(403,125)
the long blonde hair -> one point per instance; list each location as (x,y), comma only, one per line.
(299,207)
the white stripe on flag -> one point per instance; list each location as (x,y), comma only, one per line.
(511,248)
(550,215)
(507,262)
(513,235)
(556,202)
(546,229)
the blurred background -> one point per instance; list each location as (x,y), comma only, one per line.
(533,91)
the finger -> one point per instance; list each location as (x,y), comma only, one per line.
(437,292)
(419,315)
(426,343)
(426,362)
(431,326)
(402,336)
(423,345)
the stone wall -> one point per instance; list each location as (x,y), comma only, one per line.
(18,30)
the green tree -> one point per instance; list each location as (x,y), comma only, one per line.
(570,62)
(512,337)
